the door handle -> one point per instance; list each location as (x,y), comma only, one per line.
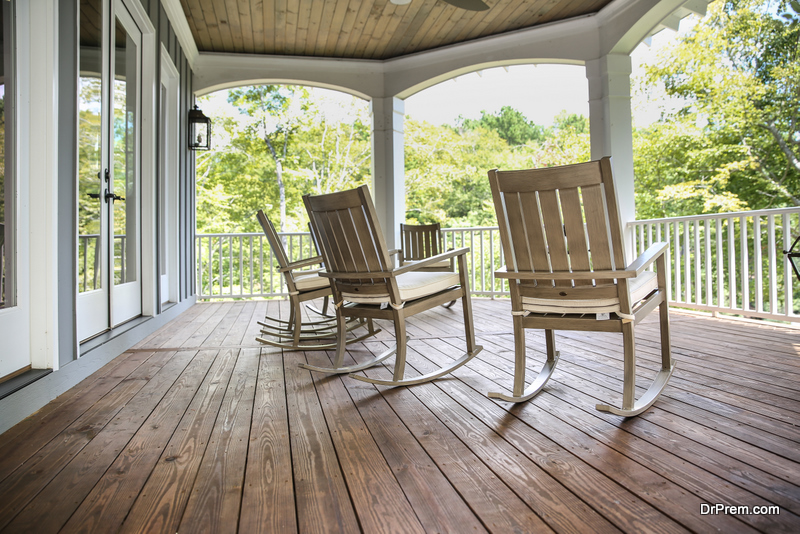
(112,196)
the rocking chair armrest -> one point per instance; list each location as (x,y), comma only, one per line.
(431,260)
(396,272)
(316,260)
(503,272)
(357,276)
(647,257)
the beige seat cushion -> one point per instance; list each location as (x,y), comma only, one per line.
(310,282)
(640,287)
(412,286)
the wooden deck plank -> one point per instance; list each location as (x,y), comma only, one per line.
(377,497)
(498,507)
(578,473)
(62,496)
(268,499)
(321,497)
(24,439)
(161,503)
(215,501)
(436,502)
(44,463)
(768,441)
(682,472)
(638,477)
(200,427)
(111,499)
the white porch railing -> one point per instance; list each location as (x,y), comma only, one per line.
(729,262)
(243,266)
(706,269)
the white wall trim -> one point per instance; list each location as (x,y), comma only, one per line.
(170,78)
(181,28)
(40,151)
(149,161)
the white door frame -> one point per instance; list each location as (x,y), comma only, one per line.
(169,168)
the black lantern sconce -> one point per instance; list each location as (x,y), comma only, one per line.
(794,257)
(199,130)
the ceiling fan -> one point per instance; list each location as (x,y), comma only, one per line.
(471,5)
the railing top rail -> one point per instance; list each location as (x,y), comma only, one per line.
(470,228)
(727,215)
(254,234)
(248,234)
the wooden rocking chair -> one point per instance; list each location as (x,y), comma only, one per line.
(564,252)
(422,241)
(303,286)
(365,285)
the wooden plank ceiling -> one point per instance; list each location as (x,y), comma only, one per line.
(367,29)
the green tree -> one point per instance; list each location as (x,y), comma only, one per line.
(736,142)
(276,113)
(510,124)
(326,151)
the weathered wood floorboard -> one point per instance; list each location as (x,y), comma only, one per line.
(200,428)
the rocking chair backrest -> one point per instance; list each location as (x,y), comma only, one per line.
(421,241)
(274,239)
(559,219)
(347,228)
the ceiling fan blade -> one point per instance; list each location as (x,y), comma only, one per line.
(471,5)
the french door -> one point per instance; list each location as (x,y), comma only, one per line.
(109,167)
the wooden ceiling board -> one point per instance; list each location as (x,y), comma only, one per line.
(370,29)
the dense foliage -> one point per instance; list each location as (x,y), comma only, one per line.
(274,144)
(735,143)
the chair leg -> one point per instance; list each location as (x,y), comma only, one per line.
(401,341)
(298,320)
(341,344)
(469,324)
(519,394)
(630,406)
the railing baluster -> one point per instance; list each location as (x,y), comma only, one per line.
(788,273)
(719,264)
(772,268)
(732,285)
(669,262)
(687,257)
(709,281)
(677,262)
(745,263)
(758,268)
(698,278)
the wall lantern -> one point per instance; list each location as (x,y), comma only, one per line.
(794,257)
(199,130)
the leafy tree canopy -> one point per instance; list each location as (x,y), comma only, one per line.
(735,144)
(510,124)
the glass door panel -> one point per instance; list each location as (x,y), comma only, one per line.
(124,186)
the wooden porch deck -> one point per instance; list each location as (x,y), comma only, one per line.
(201,429)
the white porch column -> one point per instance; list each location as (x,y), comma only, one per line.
(611,126)
(388,161)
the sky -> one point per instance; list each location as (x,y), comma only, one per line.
(540,92)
